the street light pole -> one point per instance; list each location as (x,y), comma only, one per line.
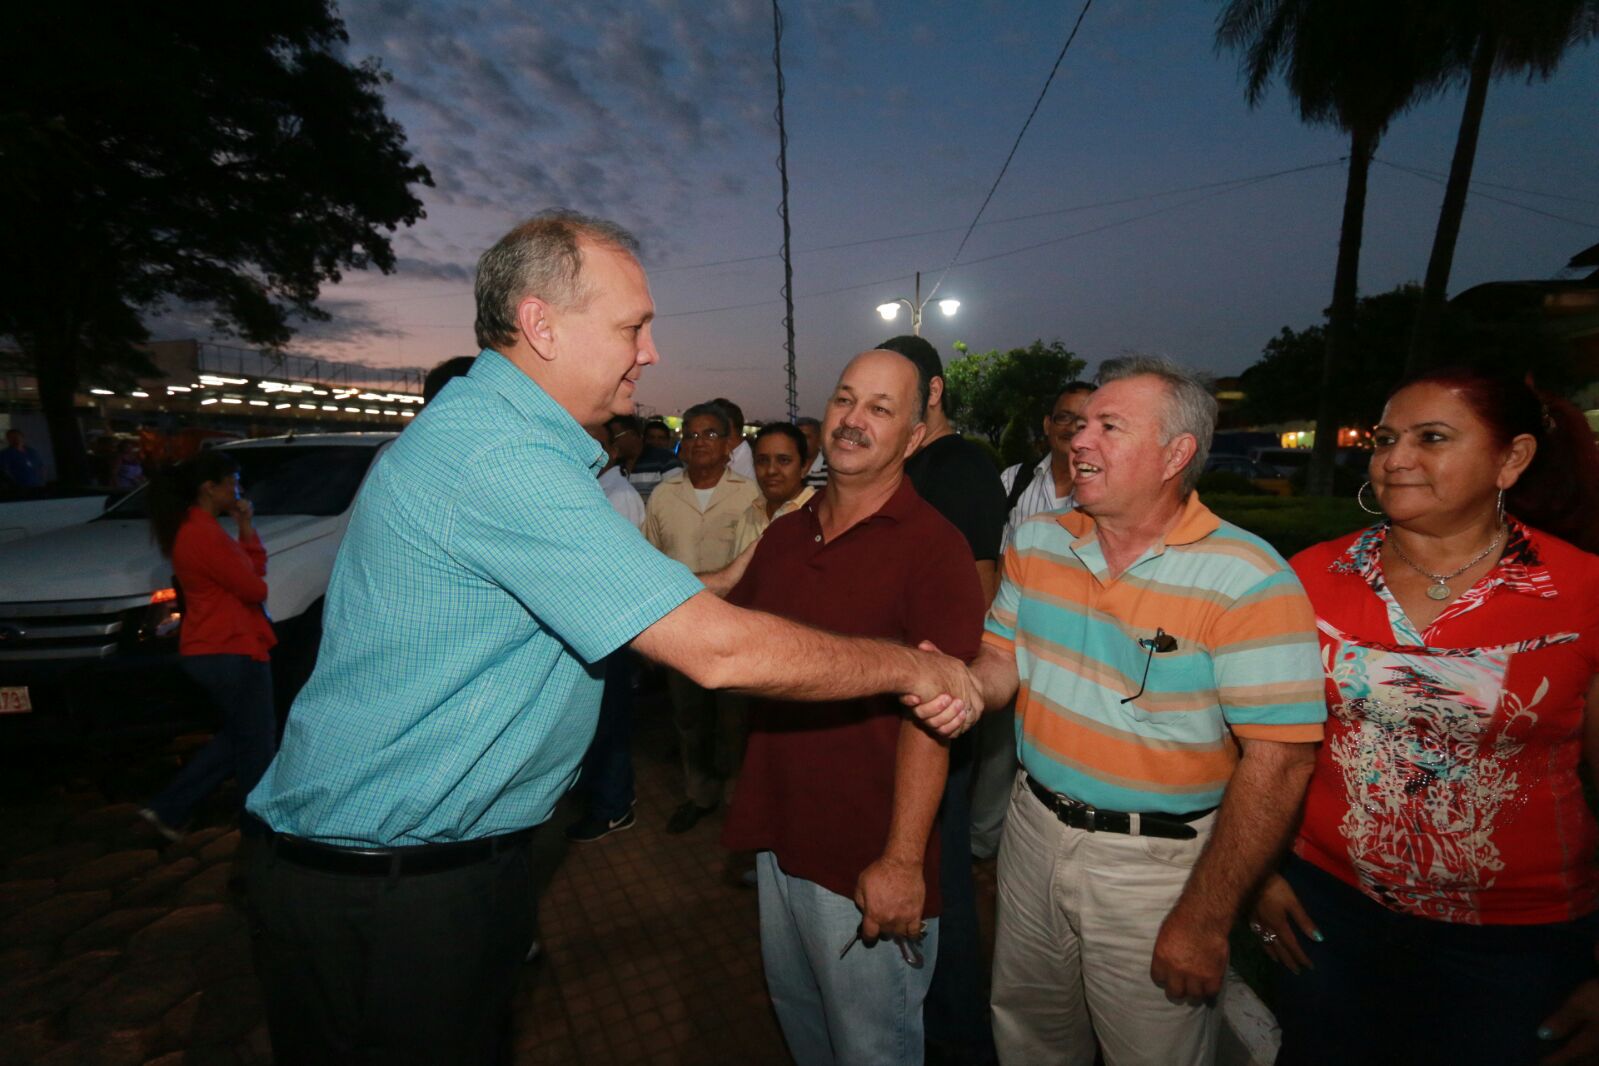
(890,310)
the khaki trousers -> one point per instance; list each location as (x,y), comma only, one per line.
(712,728)
(1078,915)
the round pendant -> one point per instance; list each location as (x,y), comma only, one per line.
(1438,592)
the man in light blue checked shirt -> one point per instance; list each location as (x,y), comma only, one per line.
(482,582)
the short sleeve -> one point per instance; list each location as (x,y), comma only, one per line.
(746,533)
(1267,663)
(1000,627)
(537,524)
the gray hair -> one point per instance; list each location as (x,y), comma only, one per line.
(1190,408)
(541,257)
(710,409)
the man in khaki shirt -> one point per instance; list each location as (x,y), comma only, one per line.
(693,516)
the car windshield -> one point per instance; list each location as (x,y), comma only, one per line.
(301,479)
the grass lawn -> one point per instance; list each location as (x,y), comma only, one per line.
(1290,523)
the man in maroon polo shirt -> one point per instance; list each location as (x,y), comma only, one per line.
(840,800)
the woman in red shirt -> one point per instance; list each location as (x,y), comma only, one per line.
(1443,876)
(226,633)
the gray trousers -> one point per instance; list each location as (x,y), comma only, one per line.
(993,773)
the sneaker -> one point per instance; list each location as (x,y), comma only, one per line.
(590,828)
(174,835)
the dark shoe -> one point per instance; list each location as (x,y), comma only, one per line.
(687,817)
(591,827)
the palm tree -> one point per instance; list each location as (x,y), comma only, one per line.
(1490,38)
(1356,65)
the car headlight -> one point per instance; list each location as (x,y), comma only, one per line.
(162,617)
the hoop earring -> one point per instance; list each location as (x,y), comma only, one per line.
(1360,498)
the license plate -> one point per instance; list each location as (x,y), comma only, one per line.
(14,700)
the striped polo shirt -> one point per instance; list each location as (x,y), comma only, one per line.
(1246,662)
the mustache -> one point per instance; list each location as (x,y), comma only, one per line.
(851,434)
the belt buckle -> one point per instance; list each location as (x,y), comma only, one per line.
(1090,818)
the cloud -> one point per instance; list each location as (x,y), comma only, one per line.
(349,321)
(612,107)
(433,270)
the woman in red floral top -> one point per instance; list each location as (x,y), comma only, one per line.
(226,634)
(1442,901)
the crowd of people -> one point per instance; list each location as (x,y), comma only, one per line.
(1368,756)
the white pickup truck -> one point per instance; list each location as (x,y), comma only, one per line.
(31,512)
(88,616)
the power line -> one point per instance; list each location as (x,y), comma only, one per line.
(1075,208)
(1232,187)
(1218,189)
(1110,225)
(1423,175)
(1493,184)
(1053,212)
(1018,143)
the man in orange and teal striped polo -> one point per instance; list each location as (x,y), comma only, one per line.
(1168,703)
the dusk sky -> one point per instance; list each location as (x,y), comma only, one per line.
(659,115)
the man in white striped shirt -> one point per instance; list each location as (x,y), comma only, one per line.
(1029,490)
(816,476)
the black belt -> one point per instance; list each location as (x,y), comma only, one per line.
(393,862)
(1083,816)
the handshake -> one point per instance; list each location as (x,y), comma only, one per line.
(945,694)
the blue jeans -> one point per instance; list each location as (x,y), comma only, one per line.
(865,1008)
(607,779)
(1392,987)
(240,688)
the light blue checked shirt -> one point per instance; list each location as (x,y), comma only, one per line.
(483,578)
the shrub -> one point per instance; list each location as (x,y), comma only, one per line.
(1291,523)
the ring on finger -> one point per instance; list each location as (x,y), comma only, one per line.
(1266,935)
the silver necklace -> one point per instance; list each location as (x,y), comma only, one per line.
(1439,589)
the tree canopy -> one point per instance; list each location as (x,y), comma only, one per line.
(230,156)
(1491,38)
(1357,65)
(1282,385)
(985,391)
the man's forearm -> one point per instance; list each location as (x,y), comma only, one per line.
(816,665)
(1258,812)
(996,675)
(721,582)
(921,763)
(725,647)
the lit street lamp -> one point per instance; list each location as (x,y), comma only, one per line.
(890,311)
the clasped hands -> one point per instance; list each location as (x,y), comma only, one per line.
(946,696)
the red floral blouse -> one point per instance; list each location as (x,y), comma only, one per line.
(1448,785)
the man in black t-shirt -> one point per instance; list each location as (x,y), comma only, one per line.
(959,480)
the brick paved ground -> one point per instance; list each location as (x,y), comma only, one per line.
(116,948)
